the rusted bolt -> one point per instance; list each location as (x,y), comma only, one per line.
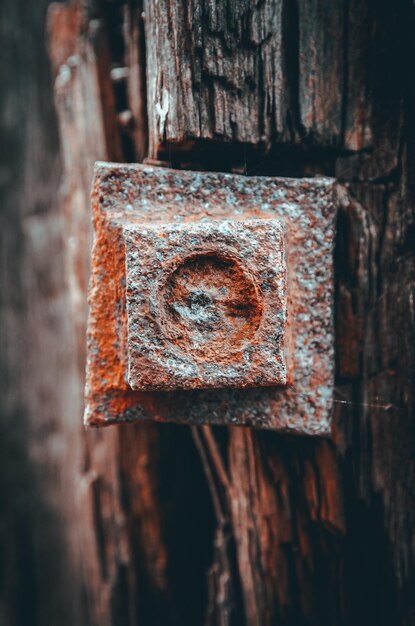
(206,304)
(211,299)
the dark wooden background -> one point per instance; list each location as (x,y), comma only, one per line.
(160,524)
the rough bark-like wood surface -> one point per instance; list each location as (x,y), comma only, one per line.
(335,99)
(250,72)
(154,524)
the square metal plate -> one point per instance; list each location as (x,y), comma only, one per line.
(206,304)
(204,280)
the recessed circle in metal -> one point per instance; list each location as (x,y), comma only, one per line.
(211,306)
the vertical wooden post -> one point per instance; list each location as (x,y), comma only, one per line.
(154,524)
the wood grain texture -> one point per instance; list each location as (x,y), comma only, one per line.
(346,528)
(253,73)
(40,557)
(215,71)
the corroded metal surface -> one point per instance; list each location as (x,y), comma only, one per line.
(206,304)
(154,310)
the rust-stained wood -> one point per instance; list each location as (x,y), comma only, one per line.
(280,531)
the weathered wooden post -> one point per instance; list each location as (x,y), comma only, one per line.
(168,524)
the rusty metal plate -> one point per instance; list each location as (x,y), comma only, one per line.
(206,304)
(211,299)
